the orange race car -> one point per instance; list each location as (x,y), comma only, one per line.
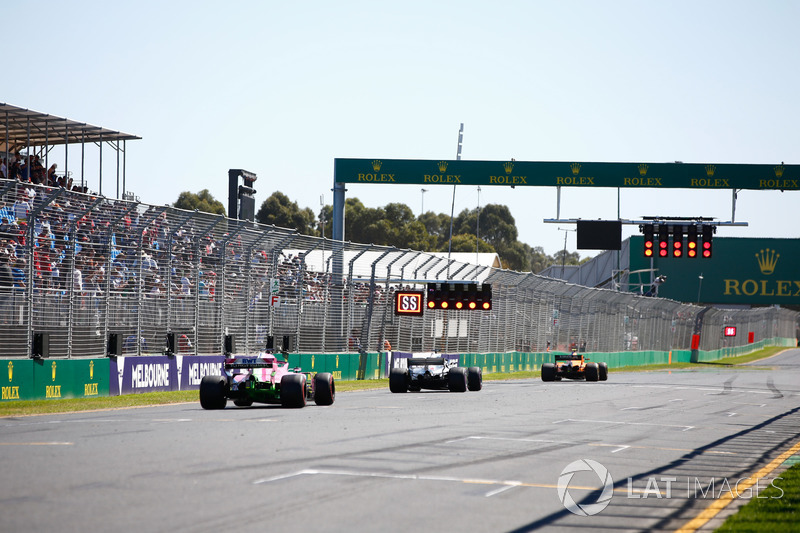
(574,366)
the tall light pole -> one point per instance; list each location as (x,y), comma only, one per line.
(422,207)
(453,205)
(564,252)
(699,287)
(478,226)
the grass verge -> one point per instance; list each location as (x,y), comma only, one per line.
(40,407)
(776,510)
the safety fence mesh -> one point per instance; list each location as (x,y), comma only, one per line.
(83,267)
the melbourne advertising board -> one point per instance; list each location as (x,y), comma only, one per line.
(130,375)
(740,271)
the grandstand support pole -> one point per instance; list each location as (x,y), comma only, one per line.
(83,158)
(66,150)
(31,245)
(116,149)
(124,165)
(198,264)
(73,232)
(371,303)
(100,144)
(109,261)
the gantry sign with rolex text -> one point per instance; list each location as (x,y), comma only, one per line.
(569,174)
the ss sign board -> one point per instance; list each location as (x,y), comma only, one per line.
(408,303)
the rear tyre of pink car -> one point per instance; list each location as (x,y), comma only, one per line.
(324,389)
(212,392)
(293,390)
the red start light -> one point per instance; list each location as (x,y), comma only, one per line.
(472,305)
(444,305)
(459,305)
(706,253)
(486,305)
(431,304)
(663,244)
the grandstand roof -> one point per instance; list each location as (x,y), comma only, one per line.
(24,127)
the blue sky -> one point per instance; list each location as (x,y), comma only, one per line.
(283,88)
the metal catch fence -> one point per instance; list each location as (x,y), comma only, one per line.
(83,267)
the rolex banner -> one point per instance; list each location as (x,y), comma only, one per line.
(740,271)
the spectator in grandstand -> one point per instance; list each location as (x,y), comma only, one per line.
(37,170)
(129,345)
(6,286)
(77,278)
(51,176)
(22,206)
(14,168)
(6,216)
(3,169)
(186,284)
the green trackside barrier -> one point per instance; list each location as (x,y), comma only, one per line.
(343,366)
(16,379)
(53,379)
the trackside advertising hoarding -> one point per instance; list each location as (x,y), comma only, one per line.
(777,176)
(53,379)
(131,375)
(740,271)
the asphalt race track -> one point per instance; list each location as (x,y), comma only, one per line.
(435,461)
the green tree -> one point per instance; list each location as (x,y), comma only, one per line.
(282,212)
(202,201)
(438,227)
(465,242)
